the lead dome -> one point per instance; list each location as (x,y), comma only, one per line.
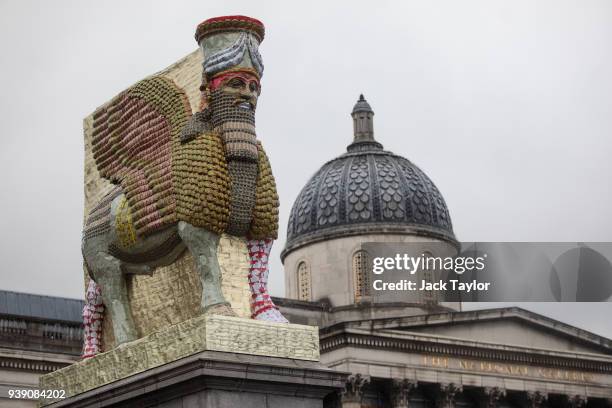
(367,190)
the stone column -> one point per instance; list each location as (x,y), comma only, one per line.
(353,390)
(576,401)
(491,396)
(401,388)
(535,399)
(447,394)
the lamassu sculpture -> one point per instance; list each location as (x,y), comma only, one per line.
(181,180)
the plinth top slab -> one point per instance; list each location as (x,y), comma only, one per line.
(203,333)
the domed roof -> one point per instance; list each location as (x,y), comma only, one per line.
(367,190)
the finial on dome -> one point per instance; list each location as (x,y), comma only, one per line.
(362,106)
(363,126)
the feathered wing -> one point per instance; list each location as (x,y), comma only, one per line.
(132,146)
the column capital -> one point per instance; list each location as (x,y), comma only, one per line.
(353,389)
(576,401)
(401,388)
(447,394)
(491,396)
(535,399)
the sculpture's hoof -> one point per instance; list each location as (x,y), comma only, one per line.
(271,315)
(222,309)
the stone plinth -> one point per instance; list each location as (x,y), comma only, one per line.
(201,334)
(218,380)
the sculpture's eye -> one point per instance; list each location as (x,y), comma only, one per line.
(236,83)
(253,86)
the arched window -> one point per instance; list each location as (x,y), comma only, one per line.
(361,275)
(303,278)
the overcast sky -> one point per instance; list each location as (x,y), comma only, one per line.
(506,105)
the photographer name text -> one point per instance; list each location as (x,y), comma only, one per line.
(427,263)
(452,284)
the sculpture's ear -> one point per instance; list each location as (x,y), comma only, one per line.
(197,124)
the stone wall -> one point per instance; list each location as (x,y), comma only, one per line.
(30,348)
(330,263)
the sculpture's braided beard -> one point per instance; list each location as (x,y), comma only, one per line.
(237,127)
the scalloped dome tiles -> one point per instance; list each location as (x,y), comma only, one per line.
(367,190)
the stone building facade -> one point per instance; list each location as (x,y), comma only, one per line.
(38,335)
(419,351)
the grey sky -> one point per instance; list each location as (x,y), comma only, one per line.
(506,105)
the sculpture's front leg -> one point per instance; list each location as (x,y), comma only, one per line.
(203,244)
(262,307)
(93,313)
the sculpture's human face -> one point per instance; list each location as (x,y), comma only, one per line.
(233,99)
(243,86)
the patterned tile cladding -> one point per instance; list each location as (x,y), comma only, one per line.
(367,186)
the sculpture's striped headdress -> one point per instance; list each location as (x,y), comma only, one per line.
(230,42)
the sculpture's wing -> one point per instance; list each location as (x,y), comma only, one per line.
(132,146)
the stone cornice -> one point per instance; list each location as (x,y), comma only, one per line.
(324,306)
(34,361)
(24,364)
(365,229)
(425,344)
(474,316)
